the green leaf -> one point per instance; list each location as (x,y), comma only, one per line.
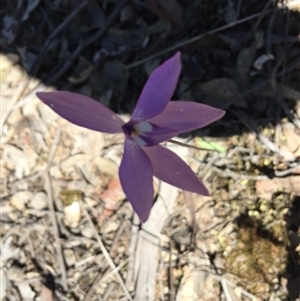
(203,142)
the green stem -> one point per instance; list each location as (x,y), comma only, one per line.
(191,146)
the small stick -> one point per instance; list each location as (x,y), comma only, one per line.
(283,173)
(264,12)
(170,274)
(226,290)
(48,188)
(192,40)
(107,256)
(263,139)
(100,278)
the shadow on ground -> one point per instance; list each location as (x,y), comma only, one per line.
(107,50)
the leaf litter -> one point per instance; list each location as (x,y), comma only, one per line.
(254,203)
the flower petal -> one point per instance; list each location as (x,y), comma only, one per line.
(136,178)
(168,167)
(157,135)
(158,90)
(184,116)
(82,110)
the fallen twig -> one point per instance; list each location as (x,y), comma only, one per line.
(264,12)
(236,176)
(269,144)
(101,278)
(192,40)
(107,256)
(283,173)
(48,188)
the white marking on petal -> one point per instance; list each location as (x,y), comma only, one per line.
(139,141)
(143,127)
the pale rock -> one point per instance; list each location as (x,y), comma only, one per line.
(106,165)
(14,216)
(122,250)
(111,227)
(20,199)
(72,214)
(31,275)
(16,274)
(55,172)
(37,125)
(15,77)
(25,291)
(22,257)
(30,109)
(39,201)
(199,285)
(70,258)
(40,142)
(70,165)
(91,202)
(87,232)
(17,160)
(7,249)
(99,259)
(32,158)
(15,115)
(100,289)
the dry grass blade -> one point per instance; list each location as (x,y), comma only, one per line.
(48,188)
(269,144)
(101,278)
(107,256)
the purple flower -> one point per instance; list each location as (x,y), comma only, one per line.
(155,119)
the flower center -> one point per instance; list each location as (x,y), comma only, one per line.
(136,130)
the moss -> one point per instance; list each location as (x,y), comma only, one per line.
(259,255)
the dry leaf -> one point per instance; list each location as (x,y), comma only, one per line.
(168,10)
(283,91)
(247,56)
(292,141)
(225,89)
(260,61)
(199,285)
